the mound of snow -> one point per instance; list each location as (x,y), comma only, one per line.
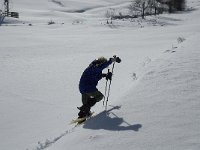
(161,112)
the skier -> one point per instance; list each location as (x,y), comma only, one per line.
(88,82)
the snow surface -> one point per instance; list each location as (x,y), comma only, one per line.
(154,101)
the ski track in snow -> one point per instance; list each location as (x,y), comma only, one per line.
(50,142)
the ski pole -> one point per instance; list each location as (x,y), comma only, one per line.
(106,89)
(109,85)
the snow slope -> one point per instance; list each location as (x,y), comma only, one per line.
(41,65)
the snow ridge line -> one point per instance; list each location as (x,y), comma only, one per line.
(48,143)
(92,8)
(59,3)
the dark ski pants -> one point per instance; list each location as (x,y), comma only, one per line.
(93,96)
(89,100)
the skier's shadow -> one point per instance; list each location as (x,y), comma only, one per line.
(109,121)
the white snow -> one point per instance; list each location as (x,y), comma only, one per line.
(154,100)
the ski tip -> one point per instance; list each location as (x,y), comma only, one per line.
(78,120)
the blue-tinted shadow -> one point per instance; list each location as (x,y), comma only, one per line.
(109,121)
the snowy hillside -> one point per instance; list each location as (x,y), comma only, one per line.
(154,102)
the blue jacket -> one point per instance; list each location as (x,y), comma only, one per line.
(91,76)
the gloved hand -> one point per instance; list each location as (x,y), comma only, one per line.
(109,76)
(116,59)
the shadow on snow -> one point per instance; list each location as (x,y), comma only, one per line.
(107,120)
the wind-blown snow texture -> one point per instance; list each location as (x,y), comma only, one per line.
(154,102)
